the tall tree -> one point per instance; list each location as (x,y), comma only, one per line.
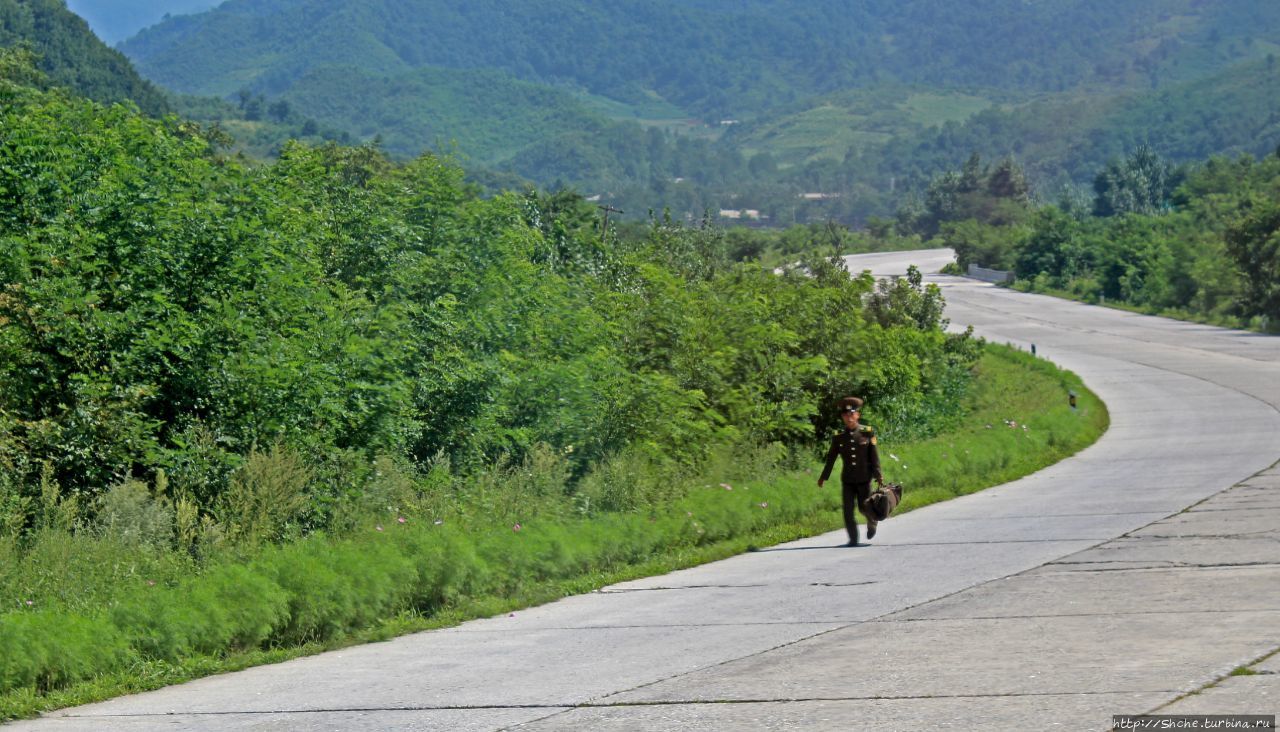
(1141,183)
(1253,241)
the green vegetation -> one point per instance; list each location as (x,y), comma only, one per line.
(224,387)
(434,109)
(715,58)
(162,625)
(1198,242)
(848,122)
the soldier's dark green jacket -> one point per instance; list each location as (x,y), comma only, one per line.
(857,450)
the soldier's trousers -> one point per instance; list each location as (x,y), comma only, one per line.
(854,494)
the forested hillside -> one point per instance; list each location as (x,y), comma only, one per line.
(488,115)
(712,59)
(70,55)
(1062,140)
(701,104)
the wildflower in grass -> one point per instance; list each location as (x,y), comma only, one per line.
(439,521)
(31,603)
(764,504)
(516,527)
(151,583)
(378,527)
(401,519)
(895,457)
(726,486)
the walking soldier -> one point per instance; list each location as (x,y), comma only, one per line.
(856,446)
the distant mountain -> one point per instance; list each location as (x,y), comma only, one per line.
(706,104)
(72,56)
(713,57)
(116,20)
(1060,139)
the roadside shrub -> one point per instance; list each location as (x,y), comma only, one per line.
(81,571)
(446,564)
(129,514)
(265,498)
(335,587)
(228,608)
(48,648)
(628,481)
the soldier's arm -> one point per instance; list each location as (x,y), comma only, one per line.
(831,461)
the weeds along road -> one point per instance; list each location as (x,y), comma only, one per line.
(1117,581)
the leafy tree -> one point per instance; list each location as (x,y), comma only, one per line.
(996,197)
(1141,183)
(1253,242)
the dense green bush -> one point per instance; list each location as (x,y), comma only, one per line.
(170,310)
(1197,241)
(47,649)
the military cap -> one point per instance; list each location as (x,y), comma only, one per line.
(850,404)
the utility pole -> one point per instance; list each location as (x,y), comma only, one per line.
(604,225)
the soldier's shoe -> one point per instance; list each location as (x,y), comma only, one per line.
(852,542)
(871,531)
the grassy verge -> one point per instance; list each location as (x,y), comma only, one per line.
(325,592)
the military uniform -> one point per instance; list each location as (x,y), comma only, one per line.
(861,464)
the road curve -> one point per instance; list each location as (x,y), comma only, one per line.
(1113,582)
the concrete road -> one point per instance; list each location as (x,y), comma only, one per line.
(1118,581)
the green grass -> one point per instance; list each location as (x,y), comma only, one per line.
(307,596)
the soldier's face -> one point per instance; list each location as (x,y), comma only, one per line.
(850,418)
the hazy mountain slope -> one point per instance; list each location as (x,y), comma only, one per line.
(712,56)
(115,20)
(1068,138)
(72,56)
(865,98)
(487,114)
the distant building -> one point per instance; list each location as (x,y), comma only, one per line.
(727,122)
(592,199)
(736,214)
(818,196)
